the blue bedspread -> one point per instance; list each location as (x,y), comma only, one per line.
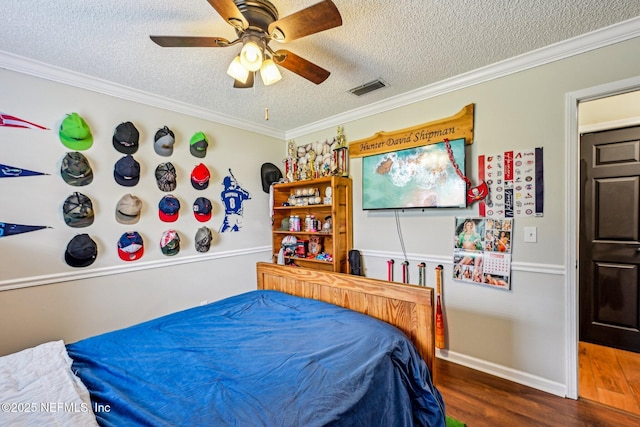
(263,358)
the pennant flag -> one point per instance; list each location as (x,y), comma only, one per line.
(7,229)
(12,121)
(7,171)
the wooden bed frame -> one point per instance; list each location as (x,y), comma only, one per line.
(410,308)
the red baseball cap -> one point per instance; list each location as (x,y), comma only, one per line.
(200,177)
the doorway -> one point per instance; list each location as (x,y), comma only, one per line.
(609,238)
(576,106)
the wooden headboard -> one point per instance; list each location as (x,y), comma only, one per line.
(408,307)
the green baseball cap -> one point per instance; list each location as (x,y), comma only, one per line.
(198,145)
(75,133)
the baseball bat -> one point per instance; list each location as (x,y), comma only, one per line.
(390,270)
(439,316)
(421,278)
(405,272)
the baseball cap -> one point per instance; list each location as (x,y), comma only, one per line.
(203,239)
(170,242)
(269,174)
(200,177)
(76,170)
(202,209)
(163,141)
(166,176)
(125,138)
(130,246)
(75,132)
(198,144)
(77,210)
(128,209)
(81,251)
(169,208)
(127,171)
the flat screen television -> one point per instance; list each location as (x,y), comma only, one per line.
(420,177)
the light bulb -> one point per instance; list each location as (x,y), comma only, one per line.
(251,56)
(238,71)
(269,72)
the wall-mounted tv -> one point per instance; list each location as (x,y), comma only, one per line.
(420,177)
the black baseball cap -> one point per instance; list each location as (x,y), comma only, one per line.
(125,138)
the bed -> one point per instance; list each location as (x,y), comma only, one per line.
(307,348)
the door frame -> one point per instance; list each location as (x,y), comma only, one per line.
(572,214)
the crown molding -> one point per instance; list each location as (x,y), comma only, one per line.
(34,68)
(607,36)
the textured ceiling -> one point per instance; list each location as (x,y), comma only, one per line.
(409,44)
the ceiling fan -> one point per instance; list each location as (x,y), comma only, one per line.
(257,23)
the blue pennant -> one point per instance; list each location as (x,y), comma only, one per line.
(7,229)
(7,171)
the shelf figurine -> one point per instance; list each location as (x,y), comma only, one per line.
(289,162)
(341,155)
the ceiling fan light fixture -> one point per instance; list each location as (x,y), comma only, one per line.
(251,55)
(237,70)
(269,72)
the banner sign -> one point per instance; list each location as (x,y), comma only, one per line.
(516,183)
(457,126)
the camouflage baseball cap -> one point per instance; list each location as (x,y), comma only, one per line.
(166,176)
(170,242)
(76,170)
(78,210)
(203,239)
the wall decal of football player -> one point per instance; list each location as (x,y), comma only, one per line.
(233,197)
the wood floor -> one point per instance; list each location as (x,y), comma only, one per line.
(609,376)
(483,400)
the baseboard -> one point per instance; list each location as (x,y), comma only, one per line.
(503,372)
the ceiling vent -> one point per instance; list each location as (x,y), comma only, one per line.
(368,87)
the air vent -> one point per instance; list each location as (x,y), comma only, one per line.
(368,87)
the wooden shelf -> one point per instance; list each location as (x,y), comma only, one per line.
(338,242)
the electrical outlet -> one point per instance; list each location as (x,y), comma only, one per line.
(530,234)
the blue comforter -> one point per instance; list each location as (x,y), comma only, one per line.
(263,358)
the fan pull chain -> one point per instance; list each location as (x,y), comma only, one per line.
(266,114)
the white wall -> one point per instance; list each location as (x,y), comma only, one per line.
(518,334)
(72,303)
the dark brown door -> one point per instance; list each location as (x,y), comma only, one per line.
(610,238)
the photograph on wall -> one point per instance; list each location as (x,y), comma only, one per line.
(516,184)
(482,251)
(420,177)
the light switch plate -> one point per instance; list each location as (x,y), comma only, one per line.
(530,234)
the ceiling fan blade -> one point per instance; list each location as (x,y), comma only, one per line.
(300,66)
(249,84)
(189,41)
(230,12)
(319,17)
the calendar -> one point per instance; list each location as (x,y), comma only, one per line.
(482,251)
